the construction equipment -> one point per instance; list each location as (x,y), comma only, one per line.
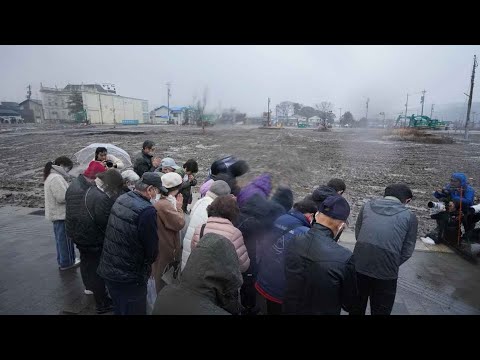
(419,122)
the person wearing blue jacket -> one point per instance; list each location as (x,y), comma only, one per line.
(456,192)
(458,182)
(270,282)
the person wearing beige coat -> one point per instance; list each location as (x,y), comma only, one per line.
(221,212)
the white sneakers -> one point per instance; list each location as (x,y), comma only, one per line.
(427,240)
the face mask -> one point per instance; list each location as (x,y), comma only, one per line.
(131,187)
(155,199)
(67,169)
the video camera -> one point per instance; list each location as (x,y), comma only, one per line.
(109,163)
(436,207)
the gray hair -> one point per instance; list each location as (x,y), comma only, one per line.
(130,175)
(141,186)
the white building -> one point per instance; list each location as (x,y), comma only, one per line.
(177,115)
(102,105)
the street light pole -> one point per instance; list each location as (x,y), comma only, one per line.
(168,101)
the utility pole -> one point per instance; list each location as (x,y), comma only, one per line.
(431,111)
(383,113)
(423,100)
(406,109)
(470,96)
(268,113)
(366,115)
(168,101)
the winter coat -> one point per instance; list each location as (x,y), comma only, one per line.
(169,222)
(271,267)
(209,284)
(75,209)
(198,216)
(320,275)
(206,187)
(125,256)
(143,164)
(468,193)
(95,214)
(186,189)
(115,161)
(255,222)
(261,185)
(55,187)
(386,233)
(225,228)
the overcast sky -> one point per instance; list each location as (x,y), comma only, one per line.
(245,76)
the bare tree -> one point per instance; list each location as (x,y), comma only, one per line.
(325,113)
(201,104)
(285,109)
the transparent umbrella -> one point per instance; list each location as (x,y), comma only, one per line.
(87,154)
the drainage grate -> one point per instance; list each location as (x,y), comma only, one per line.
(38,212)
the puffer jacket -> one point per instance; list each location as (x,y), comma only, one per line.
(320,275)
(271,267)
(225,228)
(55,188)
(124,256)
(386,233)
(209,283)
(198,216)
(468,193)
(75,209)
(97,206)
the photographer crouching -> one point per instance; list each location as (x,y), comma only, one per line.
(456,195)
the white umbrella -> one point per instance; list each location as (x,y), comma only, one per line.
(87,154)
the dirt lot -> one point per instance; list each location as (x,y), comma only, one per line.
(302,158)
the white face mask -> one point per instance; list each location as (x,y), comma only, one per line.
(157,197)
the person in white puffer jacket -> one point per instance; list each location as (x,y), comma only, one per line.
(199,216)
(55,174)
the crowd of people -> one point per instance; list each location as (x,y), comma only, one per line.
(237,250)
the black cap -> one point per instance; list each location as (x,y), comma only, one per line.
(152,178)
(335,207)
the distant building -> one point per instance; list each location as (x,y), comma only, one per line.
(314,121)
(101,105)
(177,115)
(10,113)
(32,111)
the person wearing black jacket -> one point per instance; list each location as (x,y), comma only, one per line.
(319,273)
(93,218)
(146,162)
(131,246)
(256,220)
(334,187)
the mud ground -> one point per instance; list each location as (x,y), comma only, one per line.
(301,158)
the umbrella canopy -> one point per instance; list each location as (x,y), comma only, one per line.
(87,154)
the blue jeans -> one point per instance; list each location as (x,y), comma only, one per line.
(128,298)
(65,248)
